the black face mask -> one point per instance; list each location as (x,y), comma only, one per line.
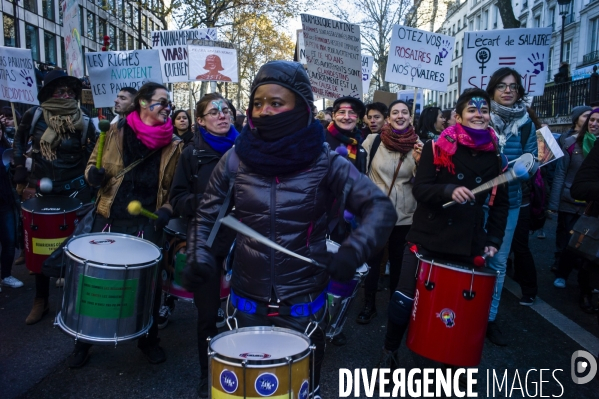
(272,128)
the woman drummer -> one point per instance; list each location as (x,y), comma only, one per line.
(461,158)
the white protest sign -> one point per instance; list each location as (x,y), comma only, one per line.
(333,57)
(408,96)
(300,48)
(17,76)
(212,63)
(110,71)
(172,45)
(72,38)
(367,61)
(419,58)
(525,50)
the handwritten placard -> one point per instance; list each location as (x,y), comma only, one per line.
(419,58)
(172,46)
(333,57)
(110,71)
(367,61)
(212,63)
(300,48)
(525,50)
(72,38)
(17,76)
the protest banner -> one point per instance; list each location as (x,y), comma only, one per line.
(17,76)
(334,61)
(408,97)
(172,46)
(525,50)
(72,38)
(110,71)
(419,58)
(300,48)
(211,60)
(549,149)
(367,61)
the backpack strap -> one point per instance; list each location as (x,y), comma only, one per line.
(375,146)
(36,117)
(231,166)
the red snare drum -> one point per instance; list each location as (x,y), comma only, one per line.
(450,313)
(47,222)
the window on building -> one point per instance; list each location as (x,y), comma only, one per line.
(48,9)
(112,6)
(495,16)
(91,25)
(471,26)
(32,41)
(9,30)
(129,42)
(450,98)
(50,47)
(459,24)
(60,15)
(103,28)
(81,16)
(122,40)
(112,34)
(551,18)
(129,15)
(550,66)
(477,22)
(455,96)
(123,10)
(465,21)
(30,5)
(594,32)
(537,22)
(144,25)
(567,51)
(486,19)
(451,76)
(457,48)
(455,73)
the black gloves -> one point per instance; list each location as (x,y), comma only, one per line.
(195,275)
(20,175)
(164,215)
(95,176)
(344,264)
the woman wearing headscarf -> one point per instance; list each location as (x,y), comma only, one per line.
(284,181)
(143,141)
(394,156)
(182,125)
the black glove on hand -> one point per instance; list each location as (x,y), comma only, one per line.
(20,175)
(95,176)
(164,215)
(194,275)
(344,264)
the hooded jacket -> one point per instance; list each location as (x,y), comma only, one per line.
(291,210)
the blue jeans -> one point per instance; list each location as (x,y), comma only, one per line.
(8,236)
(499,261)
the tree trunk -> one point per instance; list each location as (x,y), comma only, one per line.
(507,14)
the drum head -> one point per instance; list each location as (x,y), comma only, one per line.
(461,267)
(51,204)
(112,249)
(177,227)
(262,344)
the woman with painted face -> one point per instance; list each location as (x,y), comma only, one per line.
(576,149)
(143,145)
(516,135)
(431,123)
(284,180)
(449,168)
(343,135)
(393,156)
(182,125)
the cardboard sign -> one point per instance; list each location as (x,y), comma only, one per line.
(72,38)
(367,61)
(87,97)
(212,63)
(525,50)
(17,76)
(419,58)
(334,61)
(384,97)
(110,71)
(172,46)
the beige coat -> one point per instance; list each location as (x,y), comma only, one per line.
(381,173)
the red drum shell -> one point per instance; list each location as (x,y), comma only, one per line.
(445,326)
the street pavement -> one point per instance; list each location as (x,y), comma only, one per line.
(33,358)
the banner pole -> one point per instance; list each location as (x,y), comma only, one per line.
(414,104)
(14,115)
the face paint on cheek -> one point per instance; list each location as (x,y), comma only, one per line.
(478,102)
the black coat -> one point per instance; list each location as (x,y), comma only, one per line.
(585,186)
(458,230)
(360,161)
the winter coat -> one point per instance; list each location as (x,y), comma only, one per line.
(112,162)
(290,210)
(71,155)
(381,173)
(458,230)
(360,161)
(585,186)
(565,171)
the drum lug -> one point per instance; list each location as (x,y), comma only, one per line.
(469,295)
(33,227)
(63,227)
(429,285)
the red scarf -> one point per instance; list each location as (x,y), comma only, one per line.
(153,137)
(350,143)
(447,144)
(401,141)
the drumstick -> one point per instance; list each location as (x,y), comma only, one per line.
(517,172)
(104,125)
(135,208)
(236,225)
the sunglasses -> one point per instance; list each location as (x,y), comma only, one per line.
(163,103)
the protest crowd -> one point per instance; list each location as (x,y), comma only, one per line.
(280,214)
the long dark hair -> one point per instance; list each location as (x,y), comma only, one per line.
(427,121)
(502,73)
(175,117)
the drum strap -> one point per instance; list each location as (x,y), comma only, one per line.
(298,310)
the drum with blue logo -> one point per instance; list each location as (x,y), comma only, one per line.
(257,362)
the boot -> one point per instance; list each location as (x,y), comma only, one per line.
(369,311)
(39,310)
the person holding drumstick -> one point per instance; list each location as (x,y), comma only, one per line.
(137,163)
(284,180)
(463,157)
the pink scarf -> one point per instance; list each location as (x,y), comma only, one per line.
(153,137)
(447,144)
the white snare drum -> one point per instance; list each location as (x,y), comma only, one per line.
(109,287)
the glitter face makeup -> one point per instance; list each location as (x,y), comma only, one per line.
(478,102)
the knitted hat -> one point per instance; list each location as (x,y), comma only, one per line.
(577,111)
